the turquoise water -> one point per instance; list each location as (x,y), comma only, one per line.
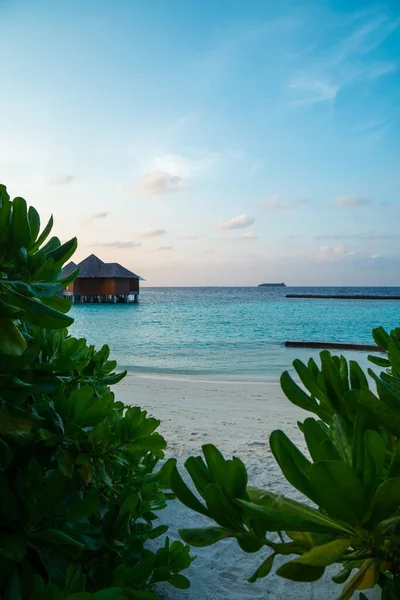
(229,332)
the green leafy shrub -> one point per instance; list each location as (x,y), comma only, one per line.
(351,479)
(78,488)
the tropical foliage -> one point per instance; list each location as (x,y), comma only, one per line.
(78,488)
(351,478)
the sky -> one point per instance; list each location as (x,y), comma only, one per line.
(220,142)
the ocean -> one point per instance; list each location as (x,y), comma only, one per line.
(230,333)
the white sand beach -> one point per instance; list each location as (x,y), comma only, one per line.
(237,417)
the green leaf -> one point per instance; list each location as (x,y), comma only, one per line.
(221,510)
(298,397)
(5,455)
(5,214)
(12,547)
(338,490)
(13,586)
(318,443)
(43,236)
(184,494)
(288,515)
(230,474)
(114,593)
(264,569)
(85,507)
(20,229)
(199,473)
(204,536)
(342,576)
(297,572)
(375,452)
(12,341)
(61,254)
(65,463)
(179,581)
(68,279)
(62,305)
(59,540)
(341,435)
(379,361)
(387,417)
(394,467)
(292,462)
(326,554)
(308,380)
(357,376)
(386,500)
(40,314)
(381,337)
(34,223)
(352,585)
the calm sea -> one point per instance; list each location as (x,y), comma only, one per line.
(229,332)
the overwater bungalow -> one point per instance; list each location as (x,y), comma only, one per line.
(101,282)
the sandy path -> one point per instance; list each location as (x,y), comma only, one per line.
(238,417)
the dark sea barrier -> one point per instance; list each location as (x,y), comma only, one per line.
(342,297)
(333,346)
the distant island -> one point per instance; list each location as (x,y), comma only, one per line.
(272,284)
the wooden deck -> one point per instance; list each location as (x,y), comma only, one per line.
(79,298)
(342,297)
(333,346)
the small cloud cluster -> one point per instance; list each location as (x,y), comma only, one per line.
(339,252)
(372,235)
(240,222)
(118,244)
(153,233)
(63,180)
(158,183)
(250,235)
(163,248)
(99,215)
(347,201)
(276,204)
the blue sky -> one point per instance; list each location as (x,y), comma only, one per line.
(210,143)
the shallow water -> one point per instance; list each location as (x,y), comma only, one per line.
(230,332)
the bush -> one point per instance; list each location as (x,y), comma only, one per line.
(79,490)
(351,479)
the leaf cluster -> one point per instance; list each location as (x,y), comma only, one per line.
(79,489)
(30,273)
(350,476)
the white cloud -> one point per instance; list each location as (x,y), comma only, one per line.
(63,180)
(347,201)
(371,235)
(153,233)
(183,238)
(158,183)
(375,256)
(118,245)
(276,204)
(334,253)
(163,248)
(250,235)
(179,166)
(99,215)
(311,90)
(322,75)
(240,222)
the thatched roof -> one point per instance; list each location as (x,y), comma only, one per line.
(92,266)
